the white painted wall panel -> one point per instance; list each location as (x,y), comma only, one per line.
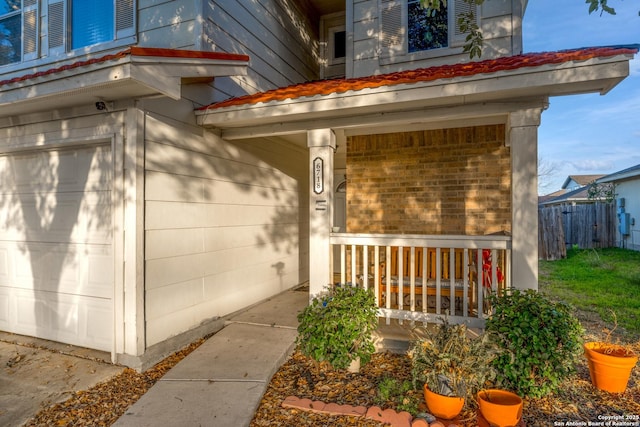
(222,224)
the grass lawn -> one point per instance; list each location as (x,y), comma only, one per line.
(600,281)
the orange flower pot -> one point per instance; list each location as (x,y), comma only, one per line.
(499,407)
(609,366)
(446,407)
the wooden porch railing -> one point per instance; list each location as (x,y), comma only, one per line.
(424,277)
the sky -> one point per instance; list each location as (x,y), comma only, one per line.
(586,134)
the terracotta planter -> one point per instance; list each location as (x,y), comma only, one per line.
(446,407)
(609,366)
(499,407)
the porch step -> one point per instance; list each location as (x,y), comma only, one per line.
(393,336)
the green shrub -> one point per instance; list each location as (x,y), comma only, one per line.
(337,326)
(542,340)
(400,394)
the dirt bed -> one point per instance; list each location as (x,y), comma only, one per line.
(103,404)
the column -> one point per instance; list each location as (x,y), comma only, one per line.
(523,137)
(321,143)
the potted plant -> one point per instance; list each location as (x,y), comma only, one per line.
(337,327)
(610,364)
(452,366)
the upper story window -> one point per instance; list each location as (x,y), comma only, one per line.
(10,32)
(426,28)
(408,31)
(39,29)
(92,22)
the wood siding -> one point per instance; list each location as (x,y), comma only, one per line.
(222,225)
(276,34)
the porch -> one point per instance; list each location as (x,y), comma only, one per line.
(425,277)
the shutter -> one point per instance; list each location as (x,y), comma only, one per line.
(30,30)
(125,18)
(393,39)
(460,6)
(56,23)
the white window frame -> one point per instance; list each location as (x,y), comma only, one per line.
(331,52)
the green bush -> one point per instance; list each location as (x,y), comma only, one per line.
(337,326)
(399,394)
(542,340)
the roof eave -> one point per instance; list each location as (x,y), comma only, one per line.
(129,76)
(594,75)
(620,176)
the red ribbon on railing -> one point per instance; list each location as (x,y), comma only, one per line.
(486,269)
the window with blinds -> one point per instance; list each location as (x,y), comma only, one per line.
(92,22)
(67,25)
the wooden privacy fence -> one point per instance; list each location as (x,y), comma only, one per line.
(588,226)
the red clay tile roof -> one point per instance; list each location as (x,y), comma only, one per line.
(134,51)
(327,87)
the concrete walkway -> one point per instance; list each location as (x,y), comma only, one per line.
(222,382)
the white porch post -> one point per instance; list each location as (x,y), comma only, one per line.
(133,333)
(523,137)
(321,143)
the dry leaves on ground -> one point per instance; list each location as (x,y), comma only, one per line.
(300,376)
(103,404)
(577,400)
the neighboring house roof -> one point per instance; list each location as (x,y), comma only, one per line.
(579,195)
(581,180)
(629,173)
(546,197)
(326,87)
(131,73)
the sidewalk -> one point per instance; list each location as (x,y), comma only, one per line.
(222,382)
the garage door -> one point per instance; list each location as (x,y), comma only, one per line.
(56,260)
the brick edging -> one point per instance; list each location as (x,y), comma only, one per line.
(387,416)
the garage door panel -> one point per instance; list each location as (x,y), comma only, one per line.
(72,319)
(4,265)
(66,217)
(4,308)
(56,259)
(73,269)
(60,171)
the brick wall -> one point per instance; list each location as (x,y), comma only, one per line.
(445,181)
